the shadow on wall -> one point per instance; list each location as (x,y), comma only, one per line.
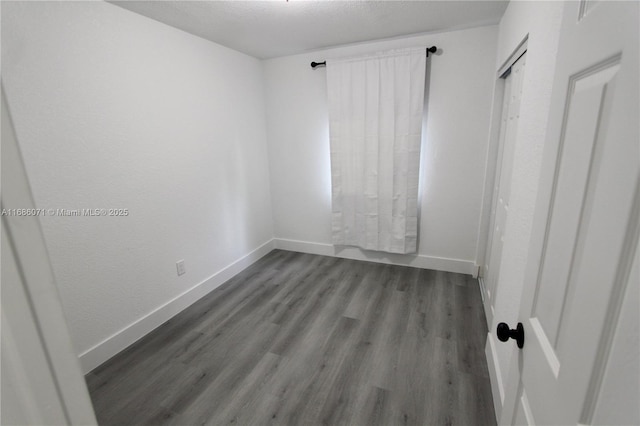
(422,183)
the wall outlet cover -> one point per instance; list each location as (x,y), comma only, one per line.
(180,267)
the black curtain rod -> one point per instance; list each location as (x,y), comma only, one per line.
(314,64)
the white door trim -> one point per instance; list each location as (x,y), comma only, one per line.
(492,155)
(48,385)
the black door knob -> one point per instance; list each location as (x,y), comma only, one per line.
(504,333)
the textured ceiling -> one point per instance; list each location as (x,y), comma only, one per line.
(268,29)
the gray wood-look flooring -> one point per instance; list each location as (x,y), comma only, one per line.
(299,339)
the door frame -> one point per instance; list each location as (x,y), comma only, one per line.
(42,367)
(492,172)
(497,385)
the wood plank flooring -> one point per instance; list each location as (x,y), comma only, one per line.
(299,339)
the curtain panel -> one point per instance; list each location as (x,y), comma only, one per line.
(375,126)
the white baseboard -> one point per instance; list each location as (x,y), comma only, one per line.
(495,375)
(112,345)
(418,261)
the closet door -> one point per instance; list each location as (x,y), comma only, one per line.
(502,183)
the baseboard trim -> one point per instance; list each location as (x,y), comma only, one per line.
(114,344)
(418,261)
(495,376)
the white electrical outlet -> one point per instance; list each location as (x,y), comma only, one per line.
(180,267)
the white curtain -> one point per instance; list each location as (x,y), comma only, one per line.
(375,124)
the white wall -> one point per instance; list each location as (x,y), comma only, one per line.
(454,148)
(541,22)
(114,110)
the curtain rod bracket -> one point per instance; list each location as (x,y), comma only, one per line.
(315,64)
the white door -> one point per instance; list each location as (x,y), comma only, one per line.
(41,379)
(502,182)
(579,363)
